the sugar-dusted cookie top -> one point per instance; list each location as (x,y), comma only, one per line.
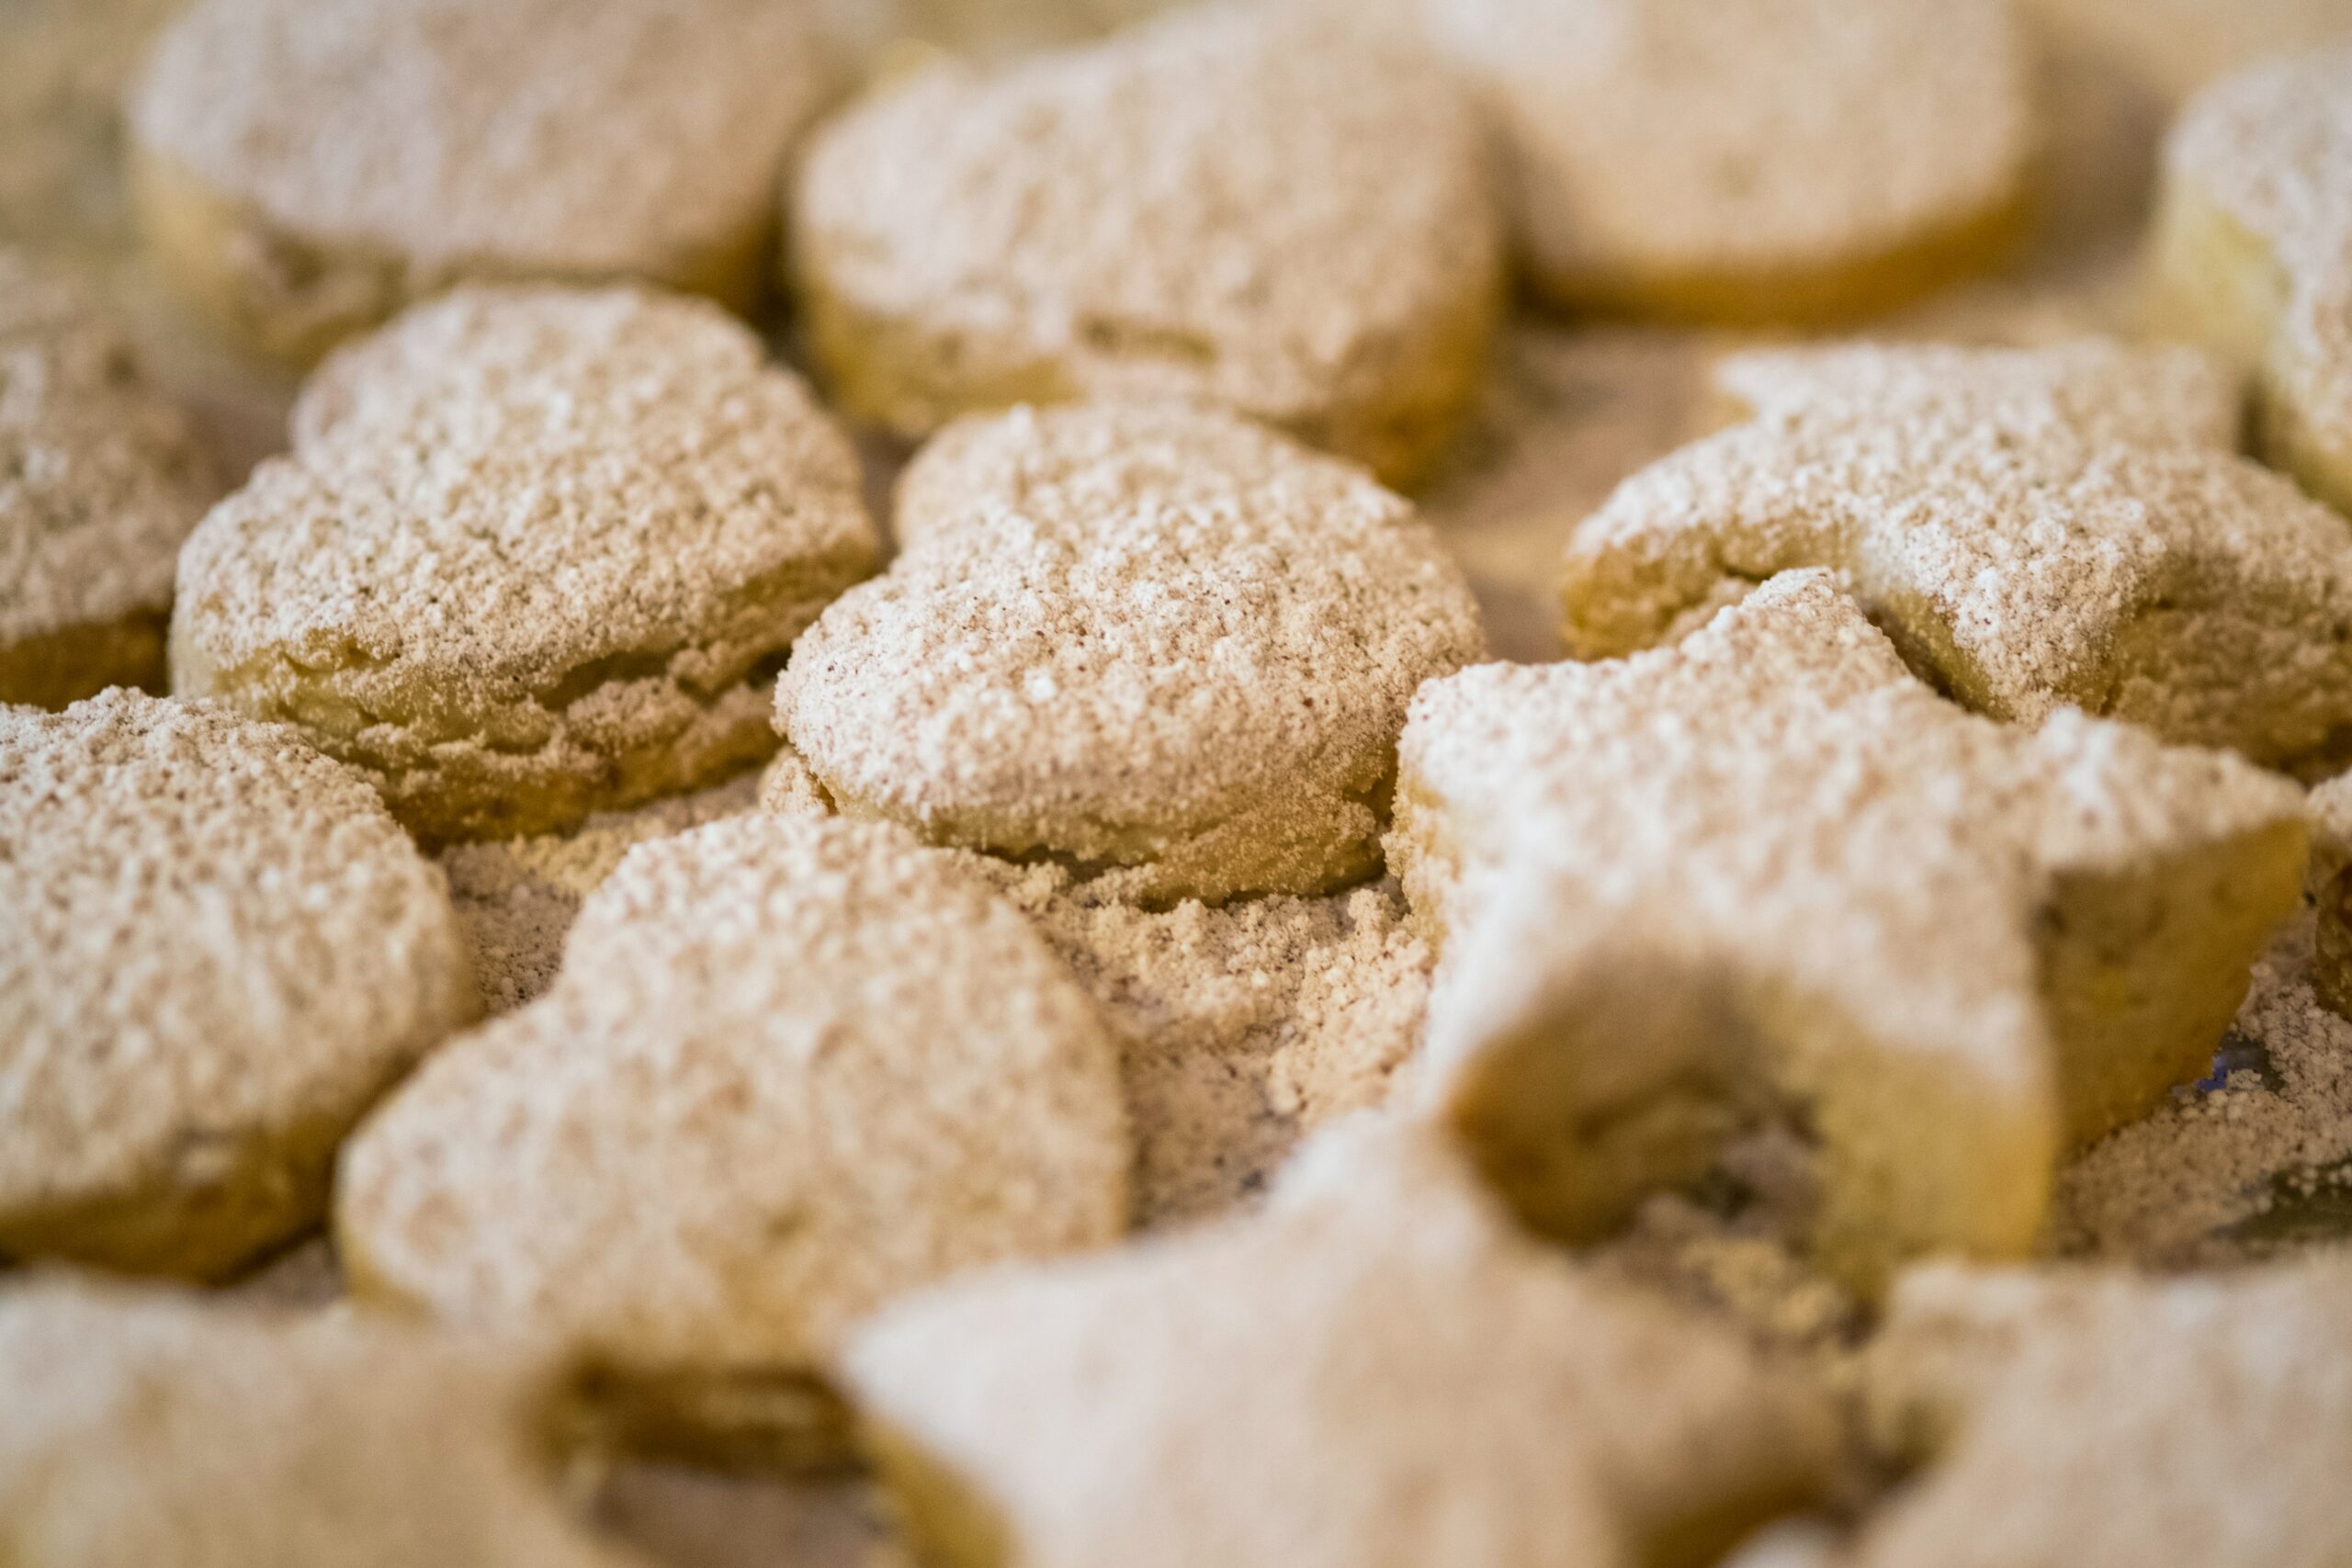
(152,1429)
(1234,204)
(220,951)
(2035,528)
(458,138)
(1139,637)
(2253,250)
(1954,942)
(99,481)
(790,1069)
(1751,158)
(1377,1370)
(2101,1419)
(529,540)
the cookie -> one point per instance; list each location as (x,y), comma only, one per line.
(790,1069)
(1378,1370)
(2036,529)
(1136,637)
(2103,1420)
(220,951)
(537,552)
(1767,875)
(100,479)
(152,1429)
(2329,886)
(1233,205)
(1748,160)
(304,169)
(2253,253)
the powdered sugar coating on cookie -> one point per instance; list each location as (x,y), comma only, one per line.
(221,949)
(1376,1371)
(1232,204)
(2036,529)
(1750,157)
(1767,866)
(149,1427)
(535,553)
(790,1069)
(1135,635)
(100,479)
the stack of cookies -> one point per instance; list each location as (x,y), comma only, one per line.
(844,814)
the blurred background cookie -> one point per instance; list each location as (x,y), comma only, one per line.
(305,168)
(1135,637)
(537,552)
(100,478)
(220,951)
(1234,205)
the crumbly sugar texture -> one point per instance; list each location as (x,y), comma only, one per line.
(1236,204)
(1375,1370)
(2249,1164)
(151,1427)
(536,552)
(2100,1419)
(1134,637)
(2252,252)
(100,479)
(1748,160)
(306,168)
(220,951)
(790,1069)
(1767,874)
(2036,529)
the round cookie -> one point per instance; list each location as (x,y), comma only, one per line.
(1235,205)
(790,1069)
(1746,161)
(99,481)
(152,1430)
(219,949)
(1143,637)
(2253,253)
(305,168)
(537,553)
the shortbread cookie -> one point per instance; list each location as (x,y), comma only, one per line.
(537,552)
(152,1430)
(1768,874)
(790,1069)
(2253,251)
(1752,159)
(219,950)
(1378,1371)
(100,479)
(2330,887)
(1233,205)
(1134,637)
(2036,529)
(2100,1419)
(305,168)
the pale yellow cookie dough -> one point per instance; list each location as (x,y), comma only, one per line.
(2081,1418)
(100,479)
(1378,1371)
(157,1429)
(537,552)
(1767,875)
(1744,161)
(791,1068)
(1138,637)
(1234,204)
(306,168)
(2329,884)
(219,950)
(2036,529)
(2253,251)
